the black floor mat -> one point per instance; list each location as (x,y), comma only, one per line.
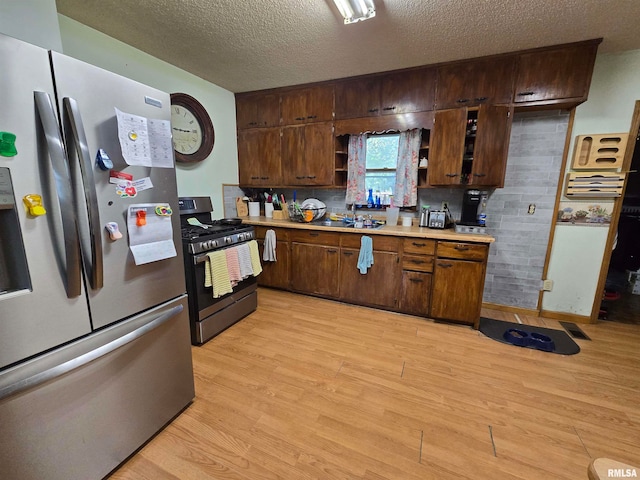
(574,330)
(545,339)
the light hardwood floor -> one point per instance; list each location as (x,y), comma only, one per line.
(306,388)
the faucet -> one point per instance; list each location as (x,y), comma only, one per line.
(353,211)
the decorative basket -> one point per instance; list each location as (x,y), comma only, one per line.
(304,214)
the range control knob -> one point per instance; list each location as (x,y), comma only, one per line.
(227,240)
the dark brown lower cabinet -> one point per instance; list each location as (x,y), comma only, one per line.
(315,269)
(416,293)
(457,290)
(377,287)
(275,274)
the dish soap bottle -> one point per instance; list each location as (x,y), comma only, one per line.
(370,199)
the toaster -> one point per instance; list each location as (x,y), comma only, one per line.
(437,219)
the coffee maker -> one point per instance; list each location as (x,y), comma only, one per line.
(470,203)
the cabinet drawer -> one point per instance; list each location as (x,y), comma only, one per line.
(417,263)
(315,237)
(282,234)
(381,243)
(465,251)
(420,246)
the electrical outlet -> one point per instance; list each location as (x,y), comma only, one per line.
(444,205)
(547,285)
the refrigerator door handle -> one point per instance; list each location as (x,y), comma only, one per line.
(59,165)
(73,116)
(70,365)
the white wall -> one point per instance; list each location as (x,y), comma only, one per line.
(33,21)
(577,252)
(202,178)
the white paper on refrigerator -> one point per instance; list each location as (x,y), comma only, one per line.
(154,240)
(145,141)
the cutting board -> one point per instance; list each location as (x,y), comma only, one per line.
(242,208)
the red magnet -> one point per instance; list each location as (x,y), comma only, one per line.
(141,218)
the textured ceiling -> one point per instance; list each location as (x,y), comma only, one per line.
(244,45)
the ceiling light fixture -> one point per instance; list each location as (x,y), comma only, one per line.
(355,10)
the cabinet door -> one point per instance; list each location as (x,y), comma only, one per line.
(491,146)
(319,104)
(318,154)
(294,169)
(556,74)
(293,107)
(412,91)
(358,98)
(259,156)
(416,293)
(475,82)
(275,274)
(307,105)
(314,269)
(307,154)
(257,110)
(377,287)
(447,147)
(457,290)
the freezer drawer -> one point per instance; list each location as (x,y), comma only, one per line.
(84,423)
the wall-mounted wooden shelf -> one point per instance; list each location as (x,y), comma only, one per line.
(595,184)
(599,152)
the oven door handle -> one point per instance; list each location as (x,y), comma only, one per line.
(200,259)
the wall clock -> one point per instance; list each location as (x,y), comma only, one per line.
(192,129)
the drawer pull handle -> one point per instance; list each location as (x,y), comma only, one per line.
(462,100)
(373,110)
(314,234)
(415,280)
(461,248)
(481,99)
(415,244)
(445,265)
(389,108)
(347,254)
(312,116)
(418,262)
(451,175)
(525,94)
(332,251)
(299,118)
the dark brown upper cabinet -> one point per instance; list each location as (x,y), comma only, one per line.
(259,162)
(475,82)
(555,75)
(308,155)
(257,110)
(307,105)
(388,94)
(469,147)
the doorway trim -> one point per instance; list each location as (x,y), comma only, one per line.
(634,131)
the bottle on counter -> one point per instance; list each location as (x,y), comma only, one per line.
(424,216)
(482,214)
(370,203)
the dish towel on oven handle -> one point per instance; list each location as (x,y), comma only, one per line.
(269,253)
(255,258)
(233,265)
(216,273)
(365,258)
(244,258)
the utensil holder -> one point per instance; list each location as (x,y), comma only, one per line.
(281,214)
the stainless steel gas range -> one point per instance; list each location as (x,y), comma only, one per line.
(208,315)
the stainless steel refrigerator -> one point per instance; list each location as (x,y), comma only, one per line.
(95,353)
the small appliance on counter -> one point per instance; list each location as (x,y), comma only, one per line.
(440,219)
(472,218)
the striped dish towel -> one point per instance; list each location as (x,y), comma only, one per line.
(244,258)
(233,265)
(217,274)
(255,258)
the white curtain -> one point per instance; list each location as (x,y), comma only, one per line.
(357,169)
(406,191)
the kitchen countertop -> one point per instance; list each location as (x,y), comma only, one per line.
(395,230)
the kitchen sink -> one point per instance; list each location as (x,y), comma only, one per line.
(341,224)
